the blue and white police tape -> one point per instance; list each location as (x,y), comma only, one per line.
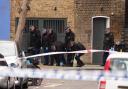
(61,74)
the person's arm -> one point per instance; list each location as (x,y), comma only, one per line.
(72,37)
(111,39)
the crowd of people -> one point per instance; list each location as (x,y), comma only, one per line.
(47,40)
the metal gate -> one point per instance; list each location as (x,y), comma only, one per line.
(57,25)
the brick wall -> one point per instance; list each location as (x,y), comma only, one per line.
(86,9)
(45,9)
(79,15)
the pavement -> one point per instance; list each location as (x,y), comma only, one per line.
(68,84)
(86,67)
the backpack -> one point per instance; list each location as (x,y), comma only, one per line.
(81,46)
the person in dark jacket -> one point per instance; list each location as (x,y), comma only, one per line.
(123,46)
(120,46)
(52,38)
(117,46)
(59,58)
(45,45)
(108,39)
(77,46)
(35,39)
(108,43)
(70,36)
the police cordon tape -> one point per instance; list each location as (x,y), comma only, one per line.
(70,52)
(62,74)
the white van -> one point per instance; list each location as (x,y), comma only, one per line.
(13,57)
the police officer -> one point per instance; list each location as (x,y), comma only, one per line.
(70,36)
(108,39)
(60,59)
(35,39)
(77,46)
(108,43)
(45,45)
(52,37)
(120,46)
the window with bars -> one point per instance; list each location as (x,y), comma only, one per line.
(58,26)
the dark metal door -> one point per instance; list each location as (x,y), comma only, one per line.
(99,25)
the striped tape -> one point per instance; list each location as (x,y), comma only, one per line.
(62,74)
(80,51)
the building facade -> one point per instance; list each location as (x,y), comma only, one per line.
(87,18)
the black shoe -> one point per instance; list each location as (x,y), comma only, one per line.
(80,65)
(50,64)
(45,64)
(102,65)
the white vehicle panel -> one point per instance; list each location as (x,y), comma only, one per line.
(121,83)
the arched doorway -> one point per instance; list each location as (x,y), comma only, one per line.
(99,24)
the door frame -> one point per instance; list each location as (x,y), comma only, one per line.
(107,26)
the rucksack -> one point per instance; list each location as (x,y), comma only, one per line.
(81,46)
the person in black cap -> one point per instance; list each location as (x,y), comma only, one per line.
(35,39)
(108,44)
(77,46)
(70,36)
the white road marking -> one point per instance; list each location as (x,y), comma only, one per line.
(53,85)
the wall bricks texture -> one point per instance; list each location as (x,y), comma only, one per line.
(79,15)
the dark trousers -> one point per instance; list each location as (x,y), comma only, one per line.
(79,62)
(62,59)
(37,50)
(46,58)
(70,58)
(55,58)
(105,55)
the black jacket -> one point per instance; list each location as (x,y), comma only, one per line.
(48,39)
(77,47)
(45,42)
(52,38)
(120,47)
(35,39)
(108,40)
(70,36)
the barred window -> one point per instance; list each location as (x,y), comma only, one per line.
(58,25)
